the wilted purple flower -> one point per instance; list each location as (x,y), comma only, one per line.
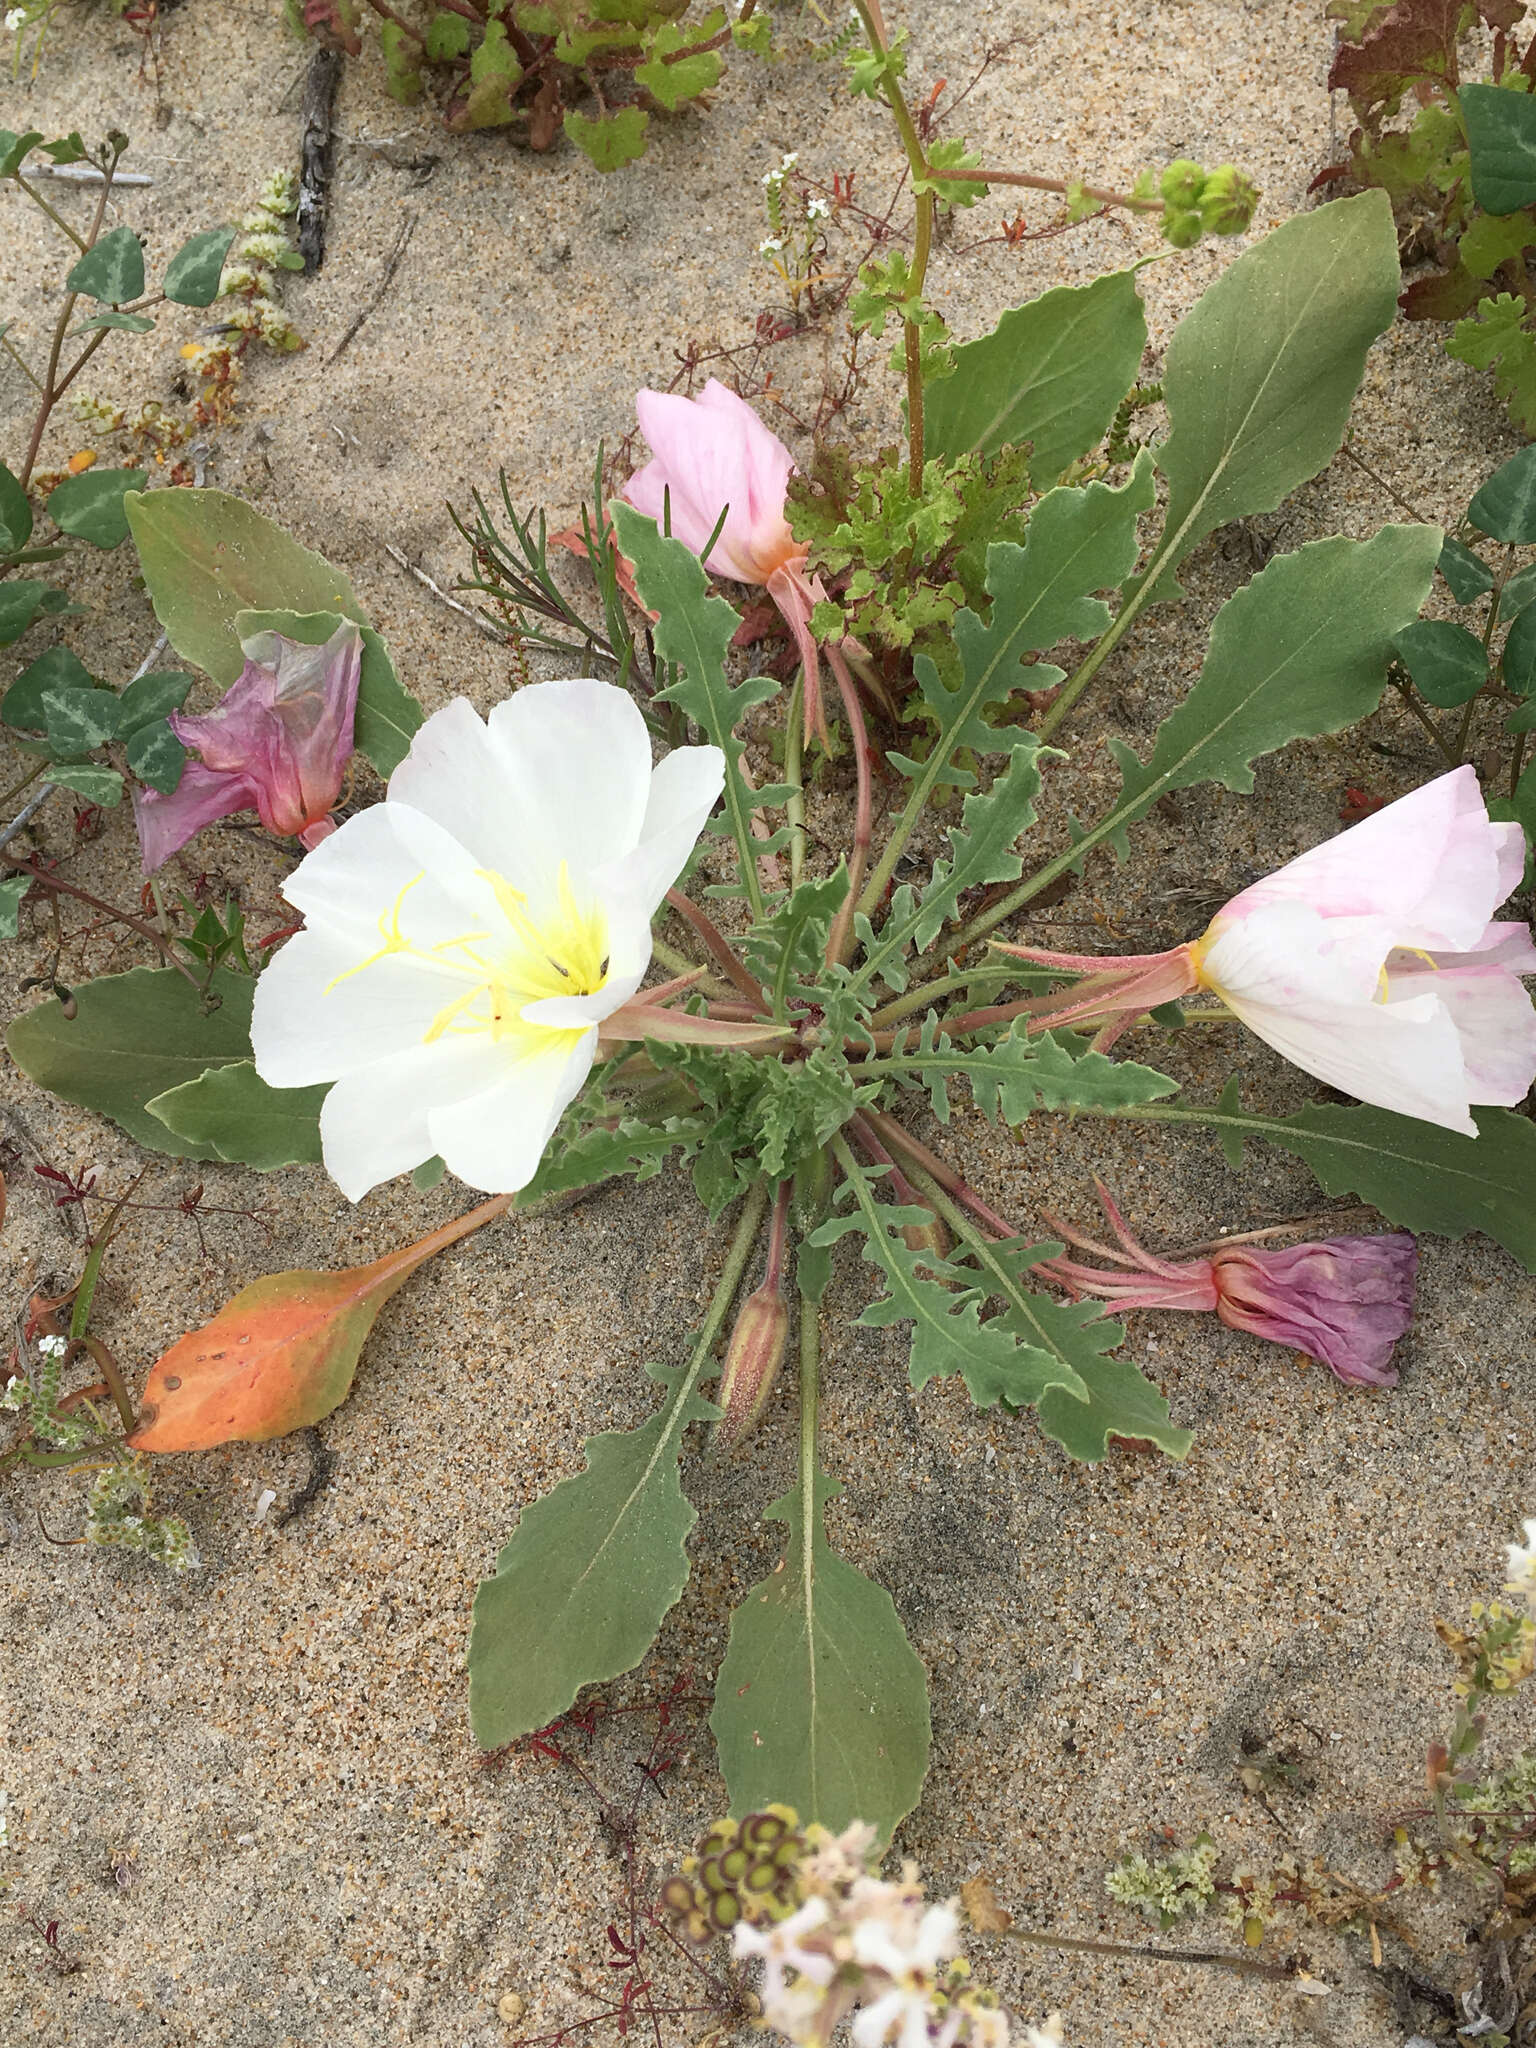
(277,745)
(1345,1301)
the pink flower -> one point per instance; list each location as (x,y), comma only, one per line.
(277,745)
(1373,962)
(712,455)
(709,455)
(1345,1301)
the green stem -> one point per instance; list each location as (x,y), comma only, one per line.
(21,362)
(85,1293)
(810,1404)
(929,992)
(58,220)
(743,1239)
(1102,648)
(1411,702)
(794,775)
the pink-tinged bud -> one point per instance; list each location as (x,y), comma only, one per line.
(712,455)
(752,1361)
(929,1237)
(277,745)
(1345,1301)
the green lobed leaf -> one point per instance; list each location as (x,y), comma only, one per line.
(587,1578)
(1501,136)
(1415,1173)
(1019,1074)
(1505,506)
(1121,1401)
(1302,650)
(135,1036)
(193,273)
(91,506)
(15,514)
(231,1113)
(1448,663)
(1262,370)
(615,140)
(1499,339)
(1051,373)
(685,78)
(388,716)
(112,271)
(821,1702)
(695,631)
(1079,541)
(634,1149)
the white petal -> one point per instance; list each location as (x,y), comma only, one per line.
(1285,952)
(454,777)
(575,766)
(1504,944)
(496,1140)
(1402,1056)
(359,872)
(306,1025)
(575,1013)
(375,1121)
(683,791)
(1494,1021)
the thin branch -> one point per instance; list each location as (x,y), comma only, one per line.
(718,946)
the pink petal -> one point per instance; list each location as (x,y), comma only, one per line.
(167,821)
(1495,1023)
(713,455)
(1345,1301)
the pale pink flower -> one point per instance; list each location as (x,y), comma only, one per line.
(1373,962)
(1345,1301)
(277,745)
(712,455)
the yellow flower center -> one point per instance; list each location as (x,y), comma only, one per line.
(565,953)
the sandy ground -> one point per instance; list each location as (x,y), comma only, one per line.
(250,1799)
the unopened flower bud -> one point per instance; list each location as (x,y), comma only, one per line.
(1181,184)
(752,1361)
(926,1237)
(1227,201)
(1181,230)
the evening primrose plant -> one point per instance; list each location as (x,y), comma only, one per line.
(616,928)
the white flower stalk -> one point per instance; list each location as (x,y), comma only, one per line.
(465,940)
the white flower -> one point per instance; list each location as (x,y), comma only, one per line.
(779,1946)
(1048,2036)
(53,1347)
(16,20)
(15,1394)
(770,246)
(464,940)
(1522,1564)
(817,209)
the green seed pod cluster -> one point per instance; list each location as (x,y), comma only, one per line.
(744,1870)
(1199,202)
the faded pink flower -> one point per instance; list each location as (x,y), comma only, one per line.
(1373,962)
(277,745)
(1345,1301)
(712,455)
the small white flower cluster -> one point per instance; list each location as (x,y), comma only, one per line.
(1522,1565)
(53,1347)
(781,169)
(16,20)
(817,208)
(772,246)
(880,1952)
(15,1395)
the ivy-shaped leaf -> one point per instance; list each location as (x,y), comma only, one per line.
(91,506)
(615,140)
(686,77)
(112,271)
(193,273)
(15,514)
(821,1703)
(588,1576)
(60,669)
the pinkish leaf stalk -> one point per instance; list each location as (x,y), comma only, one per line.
(758,1341)
(1345,1301)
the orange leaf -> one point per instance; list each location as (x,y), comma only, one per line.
(280,1355)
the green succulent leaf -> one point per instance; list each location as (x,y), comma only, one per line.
(588,1576)
(91,506)
(156,756)
(1415,1173)
(1051,373)
(1501,136)
(1262,370)
(112,271)
(135,1036)
(193,273)
(1505,507)
(15,514)
(1447,662)
(821,1702)
(231,1113)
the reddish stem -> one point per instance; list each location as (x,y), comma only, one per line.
(897,1135)
(719,948)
